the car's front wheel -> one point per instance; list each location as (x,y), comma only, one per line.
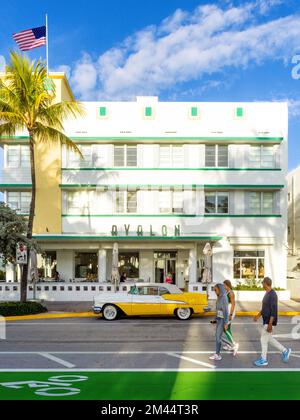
(183,313)
(110,312)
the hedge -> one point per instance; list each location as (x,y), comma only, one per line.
(18,308)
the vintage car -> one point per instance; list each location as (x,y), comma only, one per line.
(150,299)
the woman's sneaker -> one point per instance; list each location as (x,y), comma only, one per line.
(215,357)
(286,355)
(261,362)
(227,348)
(236,349)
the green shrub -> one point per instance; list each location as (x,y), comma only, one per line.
(18,308)
(246,287)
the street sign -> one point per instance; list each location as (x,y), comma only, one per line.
(21,253)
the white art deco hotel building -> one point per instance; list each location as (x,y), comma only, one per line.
(160,179)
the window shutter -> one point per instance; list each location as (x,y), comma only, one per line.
(178,157)
(119,156)
(164,156)
(223,156)
(131,158)
(210,156)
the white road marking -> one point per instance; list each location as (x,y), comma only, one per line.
(189,359)
(57,360)
(137,352)
(294,355)
(106,324)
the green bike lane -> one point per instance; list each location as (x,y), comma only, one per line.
(160,385)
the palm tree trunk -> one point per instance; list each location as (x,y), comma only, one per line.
(31,217)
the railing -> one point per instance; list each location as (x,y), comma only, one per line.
(59,291)
(52,291)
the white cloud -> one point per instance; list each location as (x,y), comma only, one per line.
(64,69)
(294,108)
(185,47)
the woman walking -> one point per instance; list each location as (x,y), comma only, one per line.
(229,343)
(222,319)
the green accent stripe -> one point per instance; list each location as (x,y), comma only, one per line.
(170,169)
(170,215)
(206,138)
(15,185)
(228,186)
(213,238)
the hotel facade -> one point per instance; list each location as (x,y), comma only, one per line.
(161,180)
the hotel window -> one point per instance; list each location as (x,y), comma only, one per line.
(261,202)
(86,265)
(79,202)
(18,156)
(216,156)
(129,264)
(262,157)
(249,265)
(126,201)
(170,202)
(216,203)
(125,156)
(75,160)
(171,156)
(19,201)
(47,265)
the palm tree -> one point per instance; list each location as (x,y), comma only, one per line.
(27,104)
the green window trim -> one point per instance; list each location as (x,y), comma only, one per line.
(96,237)
(239,112)
(194,111)
(116,215)
(102,111)
(157,139)
(148,111)
(207,186)
(169,169)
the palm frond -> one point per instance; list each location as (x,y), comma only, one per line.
(47,134)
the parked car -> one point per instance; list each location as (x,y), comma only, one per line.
(150,299)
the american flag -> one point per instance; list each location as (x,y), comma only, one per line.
(30,38)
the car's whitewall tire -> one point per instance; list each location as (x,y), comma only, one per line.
(183,313)
(110,312)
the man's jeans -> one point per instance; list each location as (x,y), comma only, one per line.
(266,339)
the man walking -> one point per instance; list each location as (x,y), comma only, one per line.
(269,314)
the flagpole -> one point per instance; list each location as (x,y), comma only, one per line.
(47,55)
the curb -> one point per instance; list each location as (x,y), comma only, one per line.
(92,315)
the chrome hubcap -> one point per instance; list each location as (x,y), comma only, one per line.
(110,312)
(184,312)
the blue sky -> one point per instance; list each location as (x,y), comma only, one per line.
(178,50)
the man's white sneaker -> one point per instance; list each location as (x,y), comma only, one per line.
(215,357)
(236,349)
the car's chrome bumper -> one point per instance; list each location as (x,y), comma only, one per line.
(97,309)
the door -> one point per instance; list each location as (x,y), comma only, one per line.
(165,266)
(146,301)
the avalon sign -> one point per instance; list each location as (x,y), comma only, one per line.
(139,231)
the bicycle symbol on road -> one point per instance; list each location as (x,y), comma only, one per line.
(56,386)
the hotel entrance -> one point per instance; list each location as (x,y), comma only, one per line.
(165,266)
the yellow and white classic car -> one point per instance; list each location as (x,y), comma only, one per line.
(150,299)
